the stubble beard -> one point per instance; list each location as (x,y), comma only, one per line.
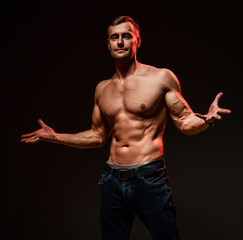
(122,59)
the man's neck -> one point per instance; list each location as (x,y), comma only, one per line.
(126,69)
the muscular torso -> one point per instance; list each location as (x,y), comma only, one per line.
(136,113)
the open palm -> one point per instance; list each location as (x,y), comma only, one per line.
(46,133)
(214,111)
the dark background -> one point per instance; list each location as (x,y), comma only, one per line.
(53,54)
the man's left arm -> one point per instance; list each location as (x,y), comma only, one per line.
(182,115)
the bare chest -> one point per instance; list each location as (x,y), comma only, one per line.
(141,97)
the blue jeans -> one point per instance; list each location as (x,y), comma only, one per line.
(147,196)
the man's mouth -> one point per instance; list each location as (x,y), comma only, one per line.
(120,49)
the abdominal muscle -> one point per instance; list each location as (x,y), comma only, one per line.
(133,145)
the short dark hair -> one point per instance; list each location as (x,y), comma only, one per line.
(122,19)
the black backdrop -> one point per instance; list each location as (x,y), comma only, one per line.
(53,55)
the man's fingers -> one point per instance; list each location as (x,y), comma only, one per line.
(224,111)
(34,136)
(27,135)
(219,95)
(30,140)
(217,115)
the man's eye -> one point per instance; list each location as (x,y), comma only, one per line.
(114,37)
(127,36)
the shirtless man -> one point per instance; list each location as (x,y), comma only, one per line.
(134,106)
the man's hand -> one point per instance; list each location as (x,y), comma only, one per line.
(214,111)
(44,134)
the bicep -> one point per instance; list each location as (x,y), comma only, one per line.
(99,124)
(178,108)
(177,105)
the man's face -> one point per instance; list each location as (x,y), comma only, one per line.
(123,41)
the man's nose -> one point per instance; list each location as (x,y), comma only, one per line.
(120,42)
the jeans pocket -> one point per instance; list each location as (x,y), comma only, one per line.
(155,180)
(105,177)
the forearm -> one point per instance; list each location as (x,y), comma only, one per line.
(192,125)
(84,140)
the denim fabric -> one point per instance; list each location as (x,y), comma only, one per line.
(148,196)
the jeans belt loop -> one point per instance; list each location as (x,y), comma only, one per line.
(134,173)
(111,172)
(137,173)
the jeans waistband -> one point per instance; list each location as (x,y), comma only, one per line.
(126,174)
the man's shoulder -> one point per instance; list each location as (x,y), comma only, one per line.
(164,76)
(100,86)
(169,79)
(167,74)
(103,83)
(163,72)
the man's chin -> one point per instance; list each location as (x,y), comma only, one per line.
(121,57)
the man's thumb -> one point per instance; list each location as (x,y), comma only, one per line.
(41,123)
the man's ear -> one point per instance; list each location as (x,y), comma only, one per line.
(139,42)
(109,45)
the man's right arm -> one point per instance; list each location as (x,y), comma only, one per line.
(92,138)
(182,115)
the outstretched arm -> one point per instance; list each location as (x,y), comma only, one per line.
(92,138)
(183,117)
